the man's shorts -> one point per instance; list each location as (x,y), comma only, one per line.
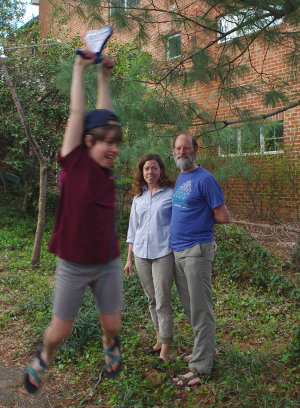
(72,279)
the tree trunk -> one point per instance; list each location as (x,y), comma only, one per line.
(36,253)
(2,176)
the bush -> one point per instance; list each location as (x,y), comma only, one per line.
(296,257)
(291,355)
(246,261)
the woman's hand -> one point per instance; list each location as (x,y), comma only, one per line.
(128,267)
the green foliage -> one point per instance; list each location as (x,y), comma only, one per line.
(144,112)
(274,97)
(291,355)
(296,257)
(243,260)
(240,160)
(11,12)
(32,75)
(248,23)
(255,328)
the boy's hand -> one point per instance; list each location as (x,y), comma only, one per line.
(107,65)
(88,59)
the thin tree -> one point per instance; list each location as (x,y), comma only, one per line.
(36,253)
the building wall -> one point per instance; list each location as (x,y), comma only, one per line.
(263,59)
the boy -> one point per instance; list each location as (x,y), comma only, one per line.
(84,236)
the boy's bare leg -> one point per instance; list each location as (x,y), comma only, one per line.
(111,325)
(54,335)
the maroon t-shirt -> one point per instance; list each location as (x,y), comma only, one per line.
(84,230)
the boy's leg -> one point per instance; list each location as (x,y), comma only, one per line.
(54,335)
(108,291)
(69,290)
(111,325)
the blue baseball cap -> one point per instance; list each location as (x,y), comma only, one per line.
(100,117)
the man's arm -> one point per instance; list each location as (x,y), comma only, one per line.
(104,99)
(221,215)
(74,129)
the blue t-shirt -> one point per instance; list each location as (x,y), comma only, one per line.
(195,194)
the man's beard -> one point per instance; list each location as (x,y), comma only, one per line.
(186,162)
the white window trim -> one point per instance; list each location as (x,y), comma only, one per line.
(239,147)
(229,25)
(169,38)
(124,7)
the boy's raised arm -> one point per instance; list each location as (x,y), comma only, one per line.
(104,99)
(74,129)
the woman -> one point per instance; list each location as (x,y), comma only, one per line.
(148,240)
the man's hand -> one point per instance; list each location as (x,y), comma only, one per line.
(221,214)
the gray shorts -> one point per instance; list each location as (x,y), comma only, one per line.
(72,279)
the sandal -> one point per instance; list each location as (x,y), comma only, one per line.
(185,381)
(186,357)
(114,359)
(151,351)
(31,388)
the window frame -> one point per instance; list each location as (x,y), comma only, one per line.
(177,35)
(262,143)
(229,25)
(124,8)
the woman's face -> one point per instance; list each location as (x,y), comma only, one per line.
(151,172)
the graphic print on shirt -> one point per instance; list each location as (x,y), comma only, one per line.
(181,194)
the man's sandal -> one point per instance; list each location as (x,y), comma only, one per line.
(185,381)
(114,359)
(186,357)
(31,388)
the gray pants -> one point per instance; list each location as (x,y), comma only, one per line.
(193,280)
(156,276)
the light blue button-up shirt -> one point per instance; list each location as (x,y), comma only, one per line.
(149,224)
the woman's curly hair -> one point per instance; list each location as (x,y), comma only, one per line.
(138,180)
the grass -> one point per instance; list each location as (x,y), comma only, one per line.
(256,315)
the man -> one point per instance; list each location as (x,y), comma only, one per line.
(197,204)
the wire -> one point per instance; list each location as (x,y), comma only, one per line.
(70,42)
(38,45)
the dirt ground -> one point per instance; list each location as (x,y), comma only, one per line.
(281,238)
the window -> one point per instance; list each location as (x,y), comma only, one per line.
(247,19)
(265,138)
(273,139)
(174,46)
(117,6)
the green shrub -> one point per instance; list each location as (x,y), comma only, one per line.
(296,257)
(291,355)
(245,261)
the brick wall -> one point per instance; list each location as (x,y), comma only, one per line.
(270,60)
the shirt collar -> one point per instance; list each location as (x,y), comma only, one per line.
(145,188)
